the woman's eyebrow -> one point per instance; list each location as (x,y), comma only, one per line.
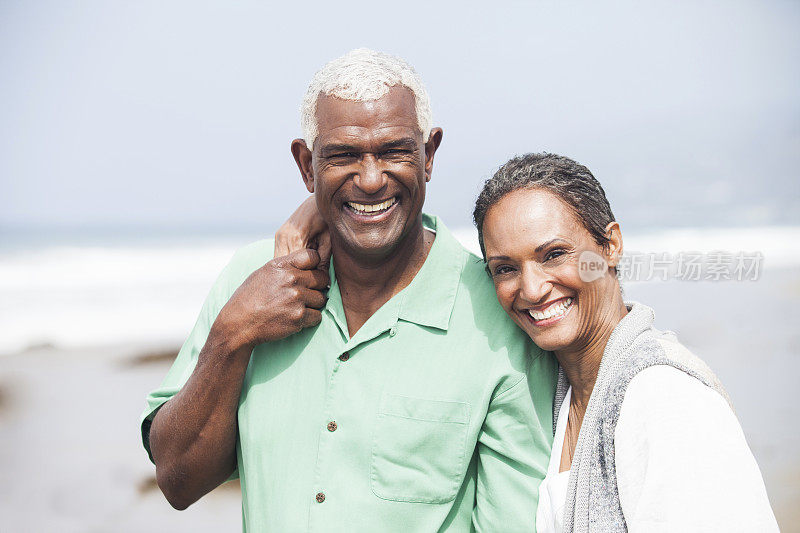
(548,243)
(537,250)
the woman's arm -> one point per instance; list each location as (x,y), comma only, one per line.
(682,460)
(305,228)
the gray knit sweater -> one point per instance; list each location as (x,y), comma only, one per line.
(593,502)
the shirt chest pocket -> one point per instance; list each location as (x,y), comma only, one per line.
(419,453)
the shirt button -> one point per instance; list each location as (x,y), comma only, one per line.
(332,426)
(344,357)
(320,497)
(392,332)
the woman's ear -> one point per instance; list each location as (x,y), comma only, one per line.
(613,248)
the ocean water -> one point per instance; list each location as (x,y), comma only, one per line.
(80,291)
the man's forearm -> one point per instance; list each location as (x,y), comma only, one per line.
(193,436)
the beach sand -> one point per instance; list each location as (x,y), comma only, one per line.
(71,458)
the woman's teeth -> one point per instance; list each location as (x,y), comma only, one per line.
(363,209)
(552,311)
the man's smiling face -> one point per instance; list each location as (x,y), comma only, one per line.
(370,164)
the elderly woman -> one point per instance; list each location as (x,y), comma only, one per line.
(645,438)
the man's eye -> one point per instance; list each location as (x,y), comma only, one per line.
(342,158)
(395,152)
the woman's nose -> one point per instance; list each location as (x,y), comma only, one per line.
(536,284)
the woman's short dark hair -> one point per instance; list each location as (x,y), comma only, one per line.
(572,182)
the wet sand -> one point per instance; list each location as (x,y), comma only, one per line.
(71,460)
(70,452)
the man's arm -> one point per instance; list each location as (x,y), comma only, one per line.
(514,451)
(193,436)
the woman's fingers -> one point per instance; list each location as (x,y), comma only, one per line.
(303,226)
(287,240)
(324,249)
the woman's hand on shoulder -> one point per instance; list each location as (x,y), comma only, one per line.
(305,228)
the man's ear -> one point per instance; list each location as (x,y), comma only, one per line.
(302,156)
(614,244)
(433,143)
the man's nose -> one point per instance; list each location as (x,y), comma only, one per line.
(536,284)
(370,178)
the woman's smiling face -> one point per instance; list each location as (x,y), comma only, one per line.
(535,248)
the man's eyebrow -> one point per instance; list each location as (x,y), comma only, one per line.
(405,142)
(335,148)
(329,149)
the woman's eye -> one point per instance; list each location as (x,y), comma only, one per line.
(502,269)
(553,254)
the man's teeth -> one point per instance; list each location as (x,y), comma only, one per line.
(552,311)
(371,208)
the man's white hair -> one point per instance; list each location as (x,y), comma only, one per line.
(363,75)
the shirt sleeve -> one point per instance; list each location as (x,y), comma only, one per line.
(243,263)
(682,460)
(514,451)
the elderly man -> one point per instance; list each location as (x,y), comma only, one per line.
(399,399)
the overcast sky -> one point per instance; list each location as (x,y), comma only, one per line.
(181,113)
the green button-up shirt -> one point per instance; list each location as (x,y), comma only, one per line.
(435,416)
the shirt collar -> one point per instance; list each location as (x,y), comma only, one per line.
(429,299)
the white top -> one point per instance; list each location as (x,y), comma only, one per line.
(682,461)
(553,490)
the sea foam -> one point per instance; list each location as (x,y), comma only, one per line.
(75,296)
